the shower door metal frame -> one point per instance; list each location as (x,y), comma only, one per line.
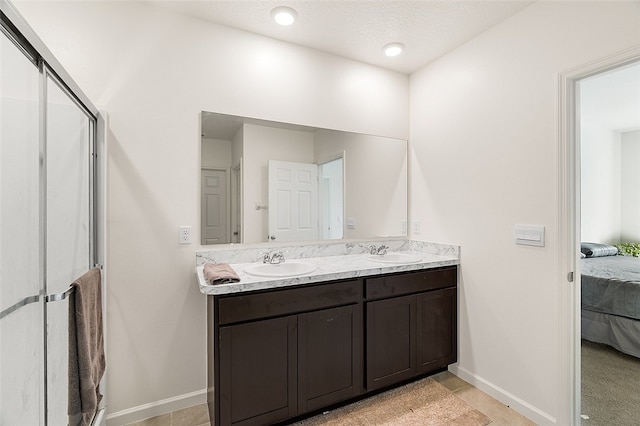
(48,76)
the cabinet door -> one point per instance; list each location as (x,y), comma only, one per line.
(437,329)
(391,341)
(258,372)
(329,356)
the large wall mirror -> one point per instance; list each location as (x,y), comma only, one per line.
(267,181)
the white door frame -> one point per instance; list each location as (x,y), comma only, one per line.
(569,363)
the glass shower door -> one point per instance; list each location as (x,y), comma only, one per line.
(21,287)
(69,253)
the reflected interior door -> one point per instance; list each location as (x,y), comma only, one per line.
(215,218)
(293,201)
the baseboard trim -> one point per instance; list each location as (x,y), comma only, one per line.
(532,413)
(156,408)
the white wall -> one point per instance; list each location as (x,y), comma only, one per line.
(630,227)
(601,172)
(484,142)
(216,153)
(237,147)
(375,163)
(610,180)
(154,73)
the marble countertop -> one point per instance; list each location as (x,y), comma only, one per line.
(329,268)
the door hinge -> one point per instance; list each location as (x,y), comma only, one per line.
(570,277)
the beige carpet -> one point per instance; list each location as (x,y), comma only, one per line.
(610,386)
(424,402)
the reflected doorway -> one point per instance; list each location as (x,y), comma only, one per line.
(215,201)
(236,208)
(331,178)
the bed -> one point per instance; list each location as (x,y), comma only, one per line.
(610,298)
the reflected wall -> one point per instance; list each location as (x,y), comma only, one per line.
(374,177)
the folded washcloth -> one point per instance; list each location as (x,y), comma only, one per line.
(220,273)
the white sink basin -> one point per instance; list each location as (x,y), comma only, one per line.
(396,258)
(286,269)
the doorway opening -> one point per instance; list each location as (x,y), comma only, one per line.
(609,140)
(570,232)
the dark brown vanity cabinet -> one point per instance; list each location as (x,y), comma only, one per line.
(278,354)
(329,357)
(411,325)
(258,371)
(391,341)
(436,330)
(308,357)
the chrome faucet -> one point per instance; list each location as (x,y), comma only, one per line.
(273,258)
(380,251)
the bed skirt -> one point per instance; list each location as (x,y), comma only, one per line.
(621,333)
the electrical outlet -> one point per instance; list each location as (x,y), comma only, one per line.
(184,234)
(416,226)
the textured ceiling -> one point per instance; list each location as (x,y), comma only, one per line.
(358,29)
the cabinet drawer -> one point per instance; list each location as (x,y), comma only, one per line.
(412,282)
(288,301)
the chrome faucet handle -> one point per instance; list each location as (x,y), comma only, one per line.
(266,257)
(279,256)
(382,250)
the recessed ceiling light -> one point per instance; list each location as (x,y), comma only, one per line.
(393,49)
(284,15)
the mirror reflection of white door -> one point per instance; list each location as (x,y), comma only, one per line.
(214,214)
(293,201)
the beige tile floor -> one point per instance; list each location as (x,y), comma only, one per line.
(192,416)
(500,414)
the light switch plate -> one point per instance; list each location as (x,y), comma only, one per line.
(529,235)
